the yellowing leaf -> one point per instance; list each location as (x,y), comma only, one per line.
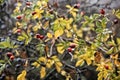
(36,64)
(59,63)
(22,75)
(39,3)
(38,13)
(68,6)
(49,35)
(88,61)
(118,40)
(19,4)
(58,68)
(42,59)
(100,76)
(68,33)
(46,24)
(20,38)
(79,62)
(42,72)
(49,63)
(73,14)
(63,73)
(79,33)
(58,33)
(60,49)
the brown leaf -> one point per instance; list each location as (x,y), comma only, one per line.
(98,57)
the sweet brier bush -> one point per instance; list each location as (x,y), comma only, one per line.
(51,46)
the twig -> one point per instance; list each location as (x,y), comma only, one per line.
(47,76)
(72,67)
(51,48)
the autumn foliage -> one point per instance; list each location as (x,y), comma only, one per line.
(54,46)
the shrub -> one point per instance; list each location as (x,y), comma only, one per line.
(46,45)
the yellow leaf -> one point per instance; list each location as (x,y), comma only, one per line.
(68,33)
(88,61)
(60,49)
(59,63)
(49,35)
(79,33)
(39,3)
(49,63)
(42,59)
(42,72)
(100,76)
(68,6)
(63,73)
(58,68)
(46,24)
(58,33)
(36,64)
(21,38)
(118,40)
(80,62)
(35,28)
(19,4)
(22,75)
(73,14)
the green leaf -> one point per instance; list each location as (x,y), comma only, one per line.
(98,24)
(2,46)
(20,38)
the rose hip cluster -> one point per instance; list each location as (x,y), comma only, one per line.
(10,55)
(71,47)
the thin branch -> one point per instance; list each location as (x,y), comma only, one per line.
(51,48)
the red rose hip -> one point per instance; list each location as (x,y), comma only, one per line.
(72,46)
(19,17)
(106,67)
(28,3)
(9,54)
(77,5)
(102,11)
(12,57)
(69,49)
(18,30)
(33,13)
(39,36)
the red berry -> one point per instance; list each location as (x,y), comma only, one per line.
(39,36)
(18,30)
(115,21)
(19,17)
(106,67)
(12,57)
(33,13)
(69,49)
(72,46)
(9,54)
(102,11)
(77,5)
(28,3)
